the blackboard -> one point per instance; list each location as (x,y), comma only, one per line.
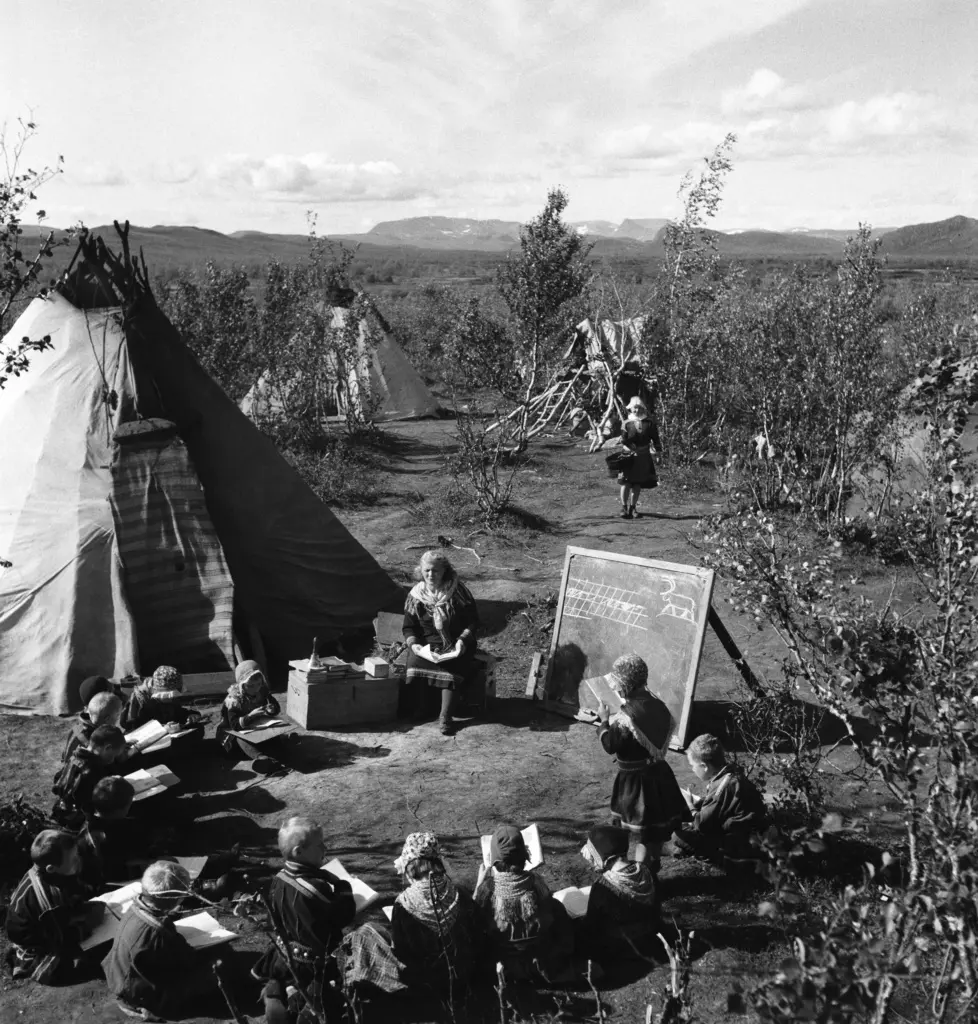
(613,604)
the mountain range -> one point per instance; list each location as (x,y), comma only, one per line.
(174,246)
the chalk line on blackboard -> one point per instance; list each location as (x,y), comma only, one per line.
(677,606)
(588,600)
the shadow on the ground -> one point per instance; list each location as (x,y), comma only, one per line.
(494,616)
(312,752)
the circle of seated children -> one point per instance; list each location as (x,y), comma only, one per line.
(440,937)
(441,623)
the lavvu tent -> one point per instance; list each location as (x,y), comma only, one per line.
(139,507)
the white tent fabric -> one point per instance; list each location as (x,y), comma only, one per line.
(56,526)
(401,393)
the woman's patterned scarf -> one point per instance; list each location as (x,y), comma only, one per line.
(515,896)
(442,602)
(649,721)
(631,880)
(433,900)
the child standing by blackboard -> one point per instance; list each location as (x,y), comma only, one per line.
(646,799)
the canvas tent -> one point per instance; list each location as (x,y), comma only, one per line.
(394,383)
(139,507)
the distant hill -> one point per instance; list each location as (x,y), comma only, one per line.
(446,233)
(645,230)
(957,236)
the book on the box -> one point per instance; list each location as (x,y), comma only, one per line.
(531,836)
(575,900)
(363,895)
(149,782)
(147,734)
(598,685)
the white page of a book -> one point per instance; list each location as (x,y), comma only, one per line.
(531,836)
(363,895)
(201,930)
(389,912)
(147,734)
(574,899)
(598,685)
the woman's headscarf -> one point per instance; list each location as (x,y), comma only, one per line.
(434,898)
(637,410)
(441,602)
(245,670)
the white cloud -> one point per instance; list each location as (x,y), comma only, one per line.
(96,174)
(765,90)
(898,115)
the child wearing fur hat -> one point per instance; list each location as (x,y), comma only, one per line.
(730,812)
(529,931)
(247,698)
(645,799)
(433,923)
(622,910)
(152,969)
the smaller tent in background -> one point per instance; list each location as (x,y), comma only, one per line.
(382,374)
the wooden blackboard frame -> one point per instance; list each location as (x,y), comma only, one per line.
(703,615)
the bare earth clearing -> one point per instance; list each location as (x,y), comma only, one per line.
(371,788)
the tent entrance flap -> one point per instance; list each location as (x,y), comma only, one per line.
(176,578)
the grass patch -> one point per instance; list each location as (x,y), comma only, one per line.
(347,470)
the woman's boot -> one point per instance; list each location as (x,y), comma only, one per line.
(625,514)
(447,706)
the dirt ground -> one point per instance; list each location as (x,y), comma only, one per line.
(517,764)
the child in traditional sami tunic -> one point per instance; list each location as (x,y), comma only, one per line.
(529,931)
(646,799)
(103,709)
(159,698)
(311,907)
(730,812)
(247,698)
(48,914)
(622,910)
(151,968)
(87,766)
(111,841)
(433,923)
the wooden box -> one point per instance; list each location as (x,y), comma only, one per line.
(377,667)
(355,700)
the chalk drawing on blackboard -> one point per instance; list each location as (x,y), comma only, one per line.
(677,606)
(588,600)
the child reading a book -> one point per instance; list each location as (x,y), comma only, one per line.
(103,709)
(310,908)
(151,968)
(622,909)
(48,914)
(529,931)
(110,840)
(434,927)
(730,812)
(248,699)
(159,698)
(87,766)
(645,799)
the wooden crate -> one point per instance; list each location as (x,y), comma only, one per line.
(355,700)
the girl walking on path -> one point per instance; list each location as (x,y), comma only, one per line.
(639,435)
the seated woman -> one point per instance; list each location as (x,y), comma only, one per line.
(248,698)
(440,624)
(433,924)
(529,931)
(622,910)
(645,799)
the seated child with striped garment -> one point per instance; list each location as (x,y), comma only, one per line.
(310,908)
(529,932)
(622,910)
(48,915)
(729,813)
(159,698)
(151,969)
(103,709)
(76,781)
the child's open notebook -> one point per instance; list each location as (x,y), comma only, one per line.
(531,836)
(363,895)
(149,782)
(574,900)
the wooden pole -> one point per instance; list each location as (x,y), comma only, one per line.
(730,646)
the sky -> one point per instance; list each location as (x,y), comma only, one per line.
(247,115)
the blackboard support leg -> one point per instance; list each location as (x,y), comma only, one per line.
(730,646)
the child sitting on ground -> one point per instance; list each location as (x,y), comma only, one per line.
(159,698)
(111,841)
(729,813)
(622,909)
(103,709)
(48,914)
(248,698)
(151,968)
(310,907)
(87,766)
(529,931)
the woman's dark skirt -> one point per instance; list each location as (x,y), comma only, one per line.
(648,800)
(446,675)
